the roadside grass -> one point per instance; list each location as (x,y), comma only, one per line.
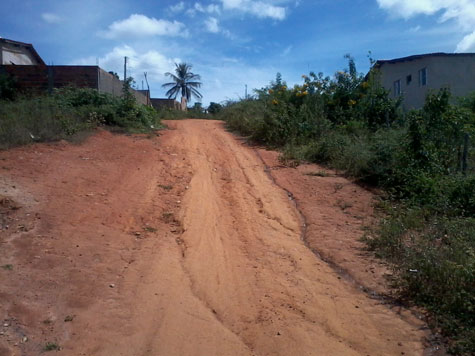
(69,113)
(434,258)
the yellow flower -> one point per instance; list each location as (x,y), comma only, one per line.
(351,102)
(284,87)
(305,93)
(275,102)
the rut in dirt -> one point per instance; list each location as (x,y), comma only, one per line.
(177,245)
(247,262)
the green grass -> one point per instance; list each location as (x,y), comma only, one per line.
(68,114)
(434,259)
(51,346)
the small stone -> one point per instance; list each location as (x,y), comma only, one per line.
(178,201)
(6,325)
(112,285)
(24,339)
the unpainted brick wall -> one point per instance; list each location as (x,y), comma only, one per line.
(41,78)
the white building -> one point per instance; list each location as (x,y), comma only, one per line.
(412,77)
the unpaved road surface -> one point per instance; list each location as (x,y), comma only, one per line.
(181,244)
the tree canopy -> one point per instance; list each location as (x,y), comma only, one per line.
(183,81)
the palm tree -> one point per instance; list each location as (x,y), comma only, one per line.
(183,80)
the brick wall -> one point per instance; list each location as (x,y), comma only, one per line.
(42,78)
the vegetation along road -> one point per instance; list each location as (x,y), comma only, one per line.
(185,244)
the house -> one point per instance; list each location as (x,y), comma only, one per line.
(18,53)
(160,103)
(414,76)
(22,62)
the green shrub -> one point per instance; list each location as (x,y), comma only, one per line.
(66,112)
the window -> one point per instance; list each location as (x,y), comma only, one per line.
(423,77)
(397,88)
(408,79)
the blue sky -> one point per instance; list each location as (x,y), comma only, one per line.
(231,43)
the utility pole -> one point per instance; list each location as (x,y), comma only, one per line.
(245,93)
(125,69)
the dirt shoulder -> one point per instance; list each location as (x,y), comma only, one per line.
(183,245)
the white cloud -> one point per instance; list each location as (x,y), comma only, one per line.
(467,44)
(213,8)
(460,11)
(179,7)
(51,18)
(212,25)
(198,7)
(152,62)
(257,8)
(140,26)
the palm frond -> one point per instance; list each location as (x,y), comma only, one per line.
(183,81)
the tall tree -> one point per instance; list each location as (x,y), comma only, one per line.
(184,81)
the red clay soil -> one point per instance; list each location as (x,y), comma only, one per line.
(183,244)
(335,213)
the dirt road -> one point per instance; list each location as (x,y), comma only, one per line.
(173,245)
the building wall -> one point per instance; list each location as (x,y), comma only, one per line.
(109,83)
(454,72)
(16,54)
(165,103)
(41,78)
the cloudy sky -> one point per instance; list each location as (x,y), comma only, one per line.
(231,43)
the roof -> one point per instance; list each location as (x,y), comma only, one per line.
(25,45)
(419,56)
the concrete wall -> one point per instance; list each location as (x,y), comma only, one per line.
(456,72)
(142,96)
(108,83)
(159,103)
